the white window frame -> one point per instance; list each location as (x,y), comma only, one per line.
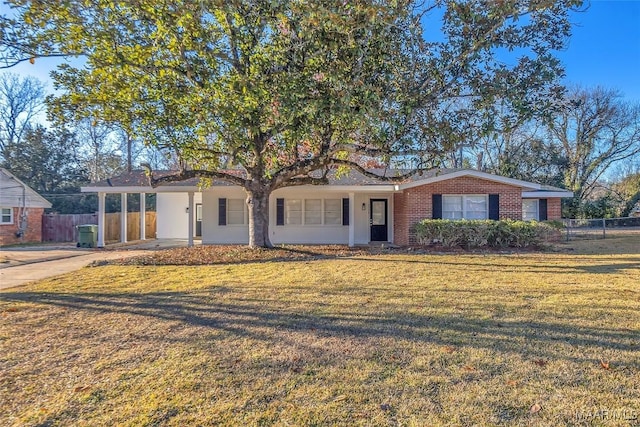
(2,215)
(303,212)
(536,217)
(463,198)
(245,212)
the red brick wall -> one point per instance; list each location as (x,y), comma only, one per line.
(414,204)
(33,233)
(554,209)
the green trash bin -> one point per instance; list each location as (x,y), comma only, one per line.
(87,236)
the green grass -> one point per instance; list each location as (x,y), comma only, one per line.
(388,339)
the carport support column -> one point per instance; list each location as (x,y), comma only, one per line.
(352,220)
(143,220)
(123,217)
(191,212)
(101,219)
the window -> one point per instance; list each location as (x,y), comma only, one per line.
(6,215)
(465,207)
(236,209)
(310,211)
(313,211)
(293,211)
(452,207)
(475,207)
(333,211)
(530,210)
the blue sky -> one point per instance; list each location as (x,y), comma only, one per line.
(604,49)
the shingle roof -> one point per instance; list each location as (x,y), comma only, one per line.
(137,178)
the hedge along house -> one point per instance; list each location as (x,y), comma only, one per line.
(21,210)
(352,209)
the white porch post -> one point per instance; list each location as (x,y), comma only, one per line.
(123,217)
(191,212)
(352,220)
(101,219)
(143,220)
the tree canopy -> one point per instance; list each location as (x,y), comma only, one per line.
(279,89)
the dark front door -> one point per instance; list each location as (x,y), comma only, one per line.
(378,220)
(198,220)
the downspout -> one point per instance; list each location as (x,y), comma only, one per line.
(22,216)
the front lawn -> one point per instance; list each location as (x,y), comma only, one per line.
(542,339)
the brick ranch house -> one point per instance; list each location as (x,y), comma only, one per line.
(351,210)
(21,210)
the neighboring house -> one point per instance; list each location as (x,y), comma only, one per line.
(21,210)
(352,209)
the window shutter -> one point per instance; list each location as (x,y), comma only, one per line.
(279,211)
(494,206)
(542,209)
(436,203)
(345,211)
(222,211)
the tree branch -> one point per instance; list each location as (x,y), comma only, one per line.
(189,174)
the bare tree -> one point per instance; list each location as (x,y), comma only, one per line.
(99,149)
(21,100)
(594,130)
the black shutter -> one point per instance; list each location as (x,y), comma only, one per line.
(345,211)
(494,206)
(542,209)
(436,203)
(222,211)
(279,211)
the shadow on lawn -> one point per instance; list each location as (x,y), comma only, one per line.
(255,320)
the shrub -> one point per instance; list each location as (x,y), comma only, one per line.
(484,233)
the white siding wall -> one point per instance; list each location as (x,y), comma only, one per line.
(212,233)
(172,221)
(12,192)
(363,230)
(312,234)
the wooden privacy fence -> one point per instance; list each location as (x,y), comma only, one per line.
(62,227)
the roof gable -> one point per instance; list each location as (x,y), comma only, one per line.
(453,174)
(137,181)
(12,192)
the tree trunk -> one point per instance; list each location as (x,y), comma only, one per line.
(258,203)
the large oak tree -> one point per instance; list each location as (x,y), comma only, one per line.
(280,89)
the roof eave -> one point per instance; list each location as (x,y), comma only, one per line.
(546,194)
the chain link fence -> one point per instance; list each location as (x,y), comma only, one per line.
(600,228)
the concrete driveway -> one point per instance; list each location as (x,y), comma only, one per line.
(21,265)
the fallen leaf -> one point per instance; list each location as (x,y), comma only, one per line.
(605,365)
(535,408)
(512,383)
(32,60)
(80,388)
(449,349)
(469,368)
(540,362)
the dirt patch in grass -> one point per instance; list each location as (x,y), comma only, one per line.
(216,254)
(370,339)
